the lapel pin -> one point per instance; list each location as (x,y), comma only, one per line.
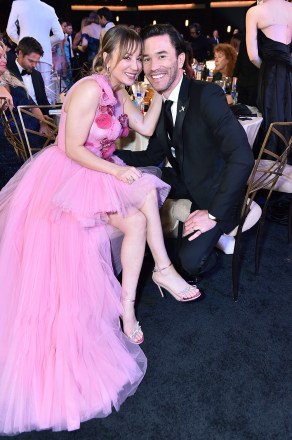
(182,109)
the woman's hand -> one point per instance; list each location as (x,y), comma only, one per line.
(127,174)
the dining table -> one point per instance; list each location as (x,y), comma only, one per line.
(138,142)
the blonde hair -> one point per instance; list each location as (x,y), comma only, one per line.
(7,77)
(120,38)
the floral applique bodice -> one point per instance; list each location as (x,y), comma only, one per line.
(109,123)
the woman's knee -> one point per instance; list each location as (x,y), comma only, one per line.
(136,224)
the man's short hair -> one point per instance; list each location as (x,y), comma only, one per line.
(155,30)
(197,28)
(106,13)
(28,45)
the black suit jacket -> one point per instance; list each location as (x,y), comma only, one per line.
(37,81)
(215,156)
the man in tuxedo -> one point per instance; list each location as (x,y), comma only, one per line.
(36,19)
(29,51)
(207,147)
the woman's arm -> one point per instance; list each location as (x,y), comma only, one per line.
(76,40)
(251,36)
(84,43)
(81,109)
(143,124)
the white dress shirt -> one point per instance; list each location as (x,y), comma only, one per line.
(27,82)
(174,97)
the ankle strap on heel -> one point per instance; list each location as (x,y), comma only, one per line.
(160,270)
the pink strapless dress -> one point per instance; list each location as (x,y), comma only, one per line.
(63,356)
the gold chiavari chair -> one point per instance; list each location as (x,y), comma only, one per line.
(270,173)
(41,140)
(12,130)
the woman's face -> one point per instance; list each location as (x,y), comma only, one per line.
(3,61)
(221,62)
(126,70)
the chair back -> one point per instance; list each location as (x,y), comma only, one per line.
(12,131)
(41,140)
(268,169)
(266,176)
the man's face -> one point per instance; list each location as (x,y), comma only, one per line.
(102,20)
(69,29)
(162,67)
(215,34)
(193,32)
(28,62)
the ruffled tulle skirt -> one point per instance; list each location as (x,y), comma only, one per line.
(63,357)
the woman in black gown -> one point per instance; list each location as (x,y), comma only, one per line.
(268,39)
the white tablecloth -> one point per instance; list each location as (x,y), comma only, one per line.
(137,142)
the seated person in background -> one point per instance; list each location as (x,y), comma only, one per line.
(23,66)
(225,58)
(189,60)
(235,41)
(16,92)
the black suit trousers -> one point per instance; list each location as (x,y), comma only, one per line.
(198,256)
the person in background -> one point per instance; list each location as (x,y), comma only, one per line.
(235,41)
(15,91)
(207,148)
(28,53)
(201,46)
(188,69)
(269,46)
(225,59)
(245,76)
(215,38)
(80,57)
(35,18)
(105,20)
(90,40)
(61,302)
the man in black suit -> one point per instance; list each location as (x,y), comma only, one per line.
(29,52)
(207,147)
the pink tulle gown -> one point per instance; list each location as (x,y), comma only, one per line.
(63,356)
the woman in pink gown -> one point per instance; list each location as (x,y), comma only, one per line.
(63,356)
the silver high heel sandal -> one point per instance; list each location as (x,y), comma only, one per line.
(136,330)
(180,296)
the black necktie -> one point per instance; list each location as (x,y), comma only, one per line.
(168,117)
(25,72)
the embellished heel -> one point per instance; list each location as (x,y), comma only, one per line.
(137,329)
(179,296)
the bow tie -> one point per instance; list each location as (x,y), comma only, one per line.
(25,72)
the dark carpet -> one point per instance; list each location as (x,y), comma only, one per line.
(217,370)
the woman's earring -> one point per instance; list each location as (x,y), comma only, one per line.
(108,72)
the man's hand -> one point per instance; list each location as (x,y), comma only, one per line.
(45,129)
(198,222)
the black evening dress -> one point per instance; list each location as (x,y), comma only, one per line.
(275,86)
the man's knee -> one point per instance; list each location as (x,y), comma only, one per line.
(196,260)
